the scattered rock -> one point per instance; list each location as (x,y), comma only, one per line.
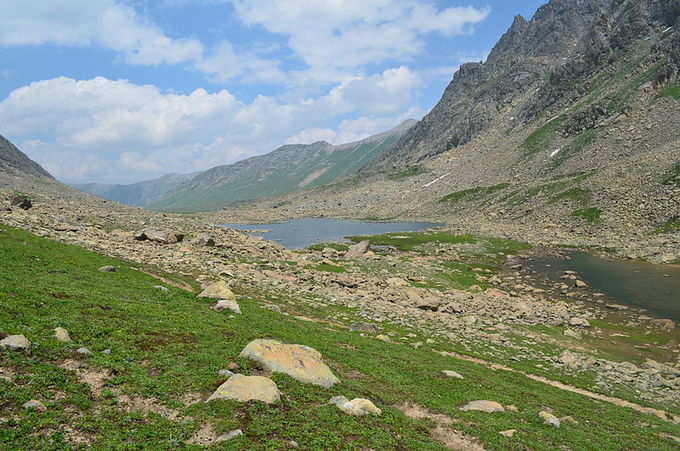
(396,282)
(578,322)
(84,352)
(549,419)
(62,335)
(248,388)
(225,373)
(509,433)
(300,362)
(358,250)
(618,307)
(204,240)
(159,236)
(572,333)
(108,269)
(161,287)
(449,373)
(226,304)
(21,201)
(229,436)
(666,324)
(483,406)
(34,405)
(580,284)
(218,290)
(15,343)
(355,407)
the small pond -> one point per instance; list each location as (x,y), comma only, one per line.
(655,288)
(300,233)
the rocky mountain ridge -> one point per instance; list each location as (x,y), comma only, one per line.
(13,162)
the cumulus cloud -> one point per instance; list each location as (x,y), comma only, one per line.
(351,33)
(96,130)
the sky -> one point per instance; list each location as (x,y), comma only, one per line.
(119,91)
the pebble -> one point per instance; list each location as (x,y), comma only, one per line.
(449,373)
(35,405)
(229,436)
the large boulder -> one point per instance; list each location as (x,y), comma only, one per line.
(483,406)
(356,407)
(15,343)
(358,250)
(159,236)
(218,290)
(227,304)
(299,362)
(248,388)
(21,201)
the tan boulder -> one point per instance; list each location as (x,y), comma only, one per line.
(483,406)
(218,290)
(299,362)
(62,335)
(356,407)
(248,388)
(358,250)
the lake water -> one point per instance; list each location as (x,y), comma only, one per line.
(639,284)
(300,233)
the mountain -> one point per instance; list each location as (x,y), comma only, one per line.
(568,133)
(14,162)
(140,194)
(567,50)
(288,168)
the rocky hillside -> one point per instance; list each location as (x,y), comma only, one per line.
(288,168)
(13,162)
(140,194)
(566,54)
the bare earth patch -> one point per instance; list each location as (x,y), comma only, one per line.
(205,436)
(442,433)
(148,405)
(95,379)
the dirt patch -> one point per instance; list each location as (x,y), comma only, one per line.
(189,399)
(77,437)
(177,284)
(205,436)
(148,405)
(7,374)
(93,378)
(452,439)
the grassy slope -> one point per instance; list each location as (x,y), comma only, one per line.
(165,345)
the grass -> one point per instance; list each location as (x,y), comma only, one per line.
(581,196)
(547,189)
(585,139)
(167,344)
(408,173)
(672,225)
(325,267)
(473,193)
(672,90)
(672,178)
(541,139)
(591,215)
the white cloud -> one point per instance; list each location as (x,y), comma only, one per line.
(104,23)
(351,33)
(106,130)
(224,64)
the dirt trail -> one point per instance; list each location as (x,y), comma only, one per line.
(662,414)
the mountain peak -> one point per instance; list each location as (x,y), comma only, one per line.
(13,161)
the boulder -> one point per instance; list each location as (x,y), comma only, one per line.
(227,304)
(509,433)
(21,201)
(549,419)
(204,240)
(578,322)
(453,374)
(302,363)
(108,269)
(15,343)
(229,436)
(62,335)
(218,290)
(34,405)
(356,407)
(483,406)
(159,236)
(396,282)
(358,250)
(666,324)
(248,388)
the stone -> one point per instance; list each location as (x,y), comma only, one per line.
(34,405)
(302,363)
(509,433)
(218,290)
(62,335)
(570,360)
(572,333)
(204,240)
(108,269)
(358,250)
(84,352)
(618,307)
(396,282)
(549,419)
(226,304)
(159,236)
(453,374)
(15,343)
(355,407)
(578,322)
(666,324)
(161,287)
(21,201)
(580,284)
(229,436)
(483,406)
(225,373)
(248,388)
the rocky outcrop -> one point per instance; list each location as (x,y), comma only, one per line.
(14,161)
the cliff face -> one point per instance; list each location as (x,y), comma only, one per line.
(15,162)
(541,65)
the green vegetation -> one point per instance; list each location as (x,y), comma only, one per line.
(321,246)
(407,173)
(671,90)
(325,267)
(520,197)
(673,176)
(672,225)
(592,215)
(579,195)
(473,193)
(585,139)
(542,138)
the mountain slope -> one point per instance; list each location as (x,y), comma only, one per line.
(541,65)
(288,168)
(15,163)
(140,194)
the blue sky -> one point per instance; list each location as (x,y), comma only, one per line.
(117,91)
